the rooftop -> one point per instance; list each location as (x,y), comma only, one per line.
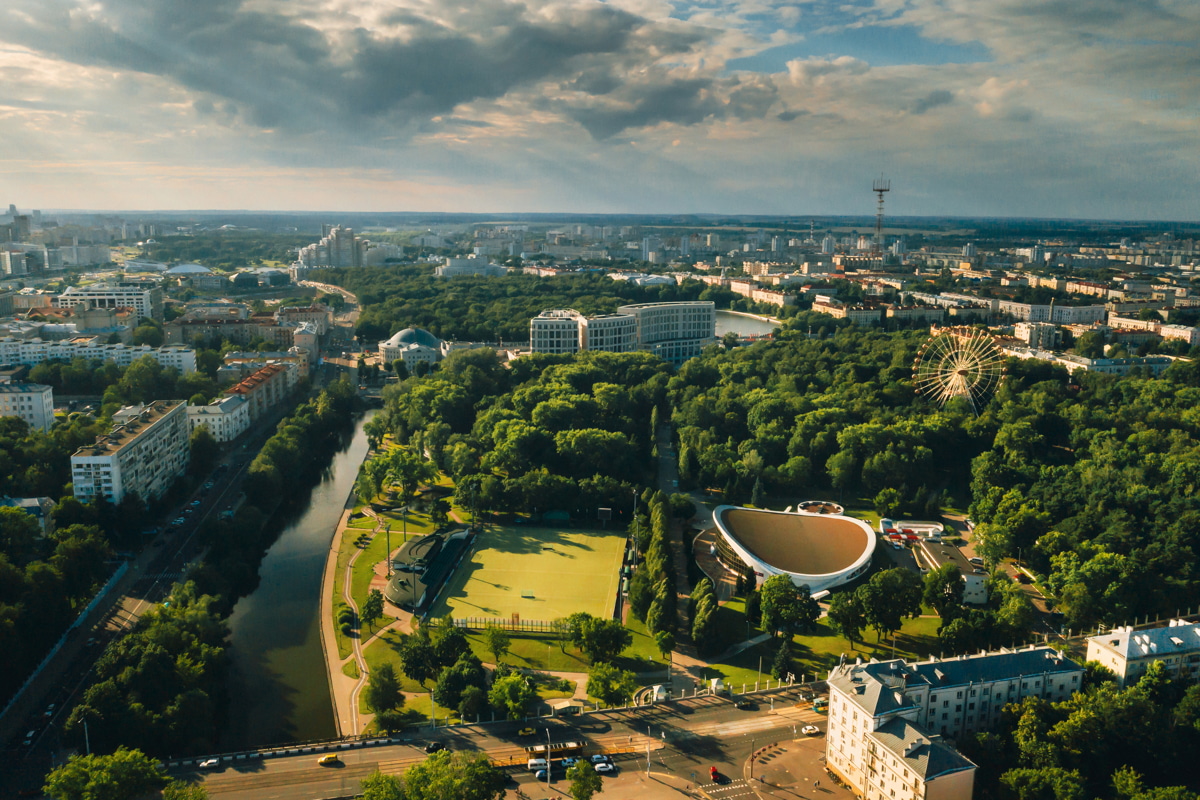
(22,387)
(925,755)
(1180,636)
(809,544)
(124,434)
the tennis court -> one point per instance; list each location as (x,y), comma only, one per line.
(538,573)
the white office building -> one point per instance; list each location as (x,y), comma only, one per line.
(145,301)
(32,402)
(147,449)
(889,721)
(1128,652)
(555,331)
(674,332)
(459,267)
(225,418)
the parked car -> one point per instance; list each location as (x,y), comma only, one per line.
(49,712)
(540,775)
(714,775)
(976,560)
(601,759)
(29,736)
(606,767)
(569,762)
(897,546)
(810,730)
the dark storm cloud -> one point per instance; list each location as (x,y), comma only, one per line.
(681,101)
(934,99)
(291,71)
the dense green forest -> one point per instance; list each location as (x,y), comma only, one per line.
(495,309)
(551,432)
(228,250)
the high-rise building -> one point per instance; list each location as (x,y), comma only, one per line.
(828,245)
(147,449)
(338,248)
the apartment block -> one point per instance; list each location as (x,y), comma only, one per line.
(266,388)
(891,723)
(92,348)
(226,418)
(1128,652)
(32,402)
(147,449)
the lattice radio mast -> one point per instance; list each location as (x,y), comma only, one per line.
(880,187)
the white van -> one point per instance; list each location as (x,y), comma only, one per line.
(537,763)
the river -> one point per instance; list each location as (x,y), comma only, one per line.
(279,690)
(742,325)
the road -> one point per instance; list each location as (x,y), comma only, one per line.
(684,738)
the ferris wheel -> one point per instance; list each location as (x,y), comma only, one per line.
(958,362)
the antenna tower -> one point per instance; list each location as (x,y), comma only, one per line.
(881,186)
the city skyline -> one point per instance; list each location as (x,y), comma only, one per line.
(1009,108)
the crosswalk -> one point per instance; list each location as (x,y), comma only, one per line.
(732,790)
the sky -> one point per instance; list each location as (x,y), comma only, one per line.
(1043,108)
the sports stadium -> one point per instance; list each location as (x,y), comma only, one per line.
(819,551)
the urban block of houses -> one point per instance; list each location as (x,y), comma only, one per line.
(892,723)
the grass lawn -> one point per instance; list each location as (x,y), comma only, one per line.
(816,653)
(350,670)
(538,573)
(534,652)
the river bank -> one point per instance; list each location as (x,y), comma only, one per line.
(278,689)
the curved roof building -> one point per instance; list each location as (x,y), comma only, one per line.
(819,551)
(411,344)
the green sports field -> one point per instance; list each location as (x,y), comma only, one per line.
(539,573)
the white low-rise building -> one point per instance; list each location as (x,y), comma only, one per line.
(145,301)
(92,348)
(225,418)
(32,402)
(147,449)
(1128,652)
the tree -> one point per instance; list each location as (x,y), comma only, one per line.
(378,786)
(459,774)
(641,593)
(497,641)
(409,469)
(786,607)
(450,643)
(148,334)
(179,790)
(944,591)
(204,451)
(373,608)
(472,702)
(119,776)
(782,666)
(585,781)
(418,658)
(511,695)
(383,689)
(610,685)
(665,641)
(847,615)
(604,639)
(454,680)
(887,502)
(1045,783)
(890,596)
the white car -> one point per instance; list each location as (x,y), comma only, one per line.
(606,767)
(810,730)
(210,763)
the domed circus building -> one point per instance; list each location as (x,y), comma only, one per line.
(820,551)
(412,345)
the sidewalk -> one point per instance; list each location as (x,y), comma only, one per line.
(629,782)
